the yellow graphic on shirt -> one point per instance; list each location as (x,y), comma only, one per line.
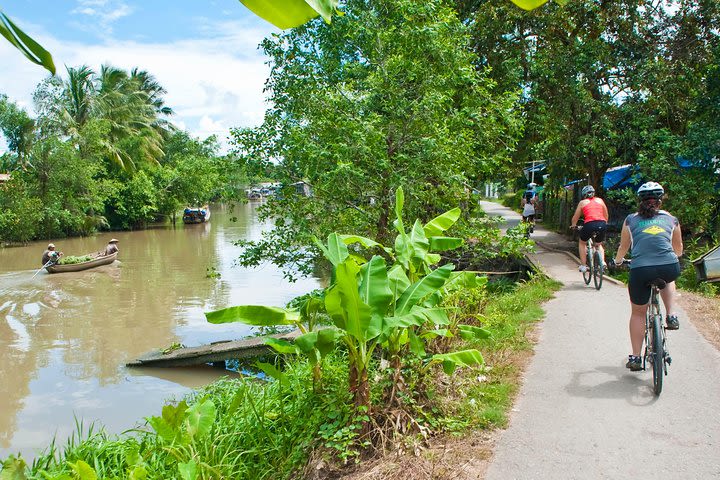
(654,230)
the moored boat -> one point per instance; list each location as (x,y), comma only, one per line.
(97,261)
(196,215)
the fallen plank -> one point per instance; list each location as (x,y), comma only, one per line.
(213,353)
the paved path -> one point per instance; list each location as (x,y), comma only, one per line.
(581,415)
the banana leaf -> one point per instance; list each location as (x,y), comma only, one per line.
(462,358)
(23,42)
(256,315)
(291,13)
(441,223)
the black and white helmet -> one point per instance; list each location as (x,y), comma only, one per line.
(587,191)
(650,190)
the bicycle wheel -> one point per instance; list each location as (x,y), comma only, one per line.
(588,273)
(658,354)
(597,270)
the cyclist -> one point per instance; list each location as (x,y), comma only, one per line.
(529,200)
(656,241)
(595,213)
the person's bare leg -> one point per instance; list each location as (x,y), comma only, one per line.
(668,298)
(637,327)
(582,246)
(601,249)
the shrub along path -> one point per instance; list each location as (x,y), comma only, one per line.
(581,414)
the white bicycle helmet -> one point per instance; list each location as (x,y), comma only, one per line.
(587,191)
(650,190)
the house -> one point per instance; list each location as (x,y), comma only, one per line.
(4,177)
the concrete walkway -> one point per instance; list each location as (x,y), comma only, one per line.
(581,414)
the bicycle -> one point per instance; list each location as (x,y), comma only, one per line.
(656,345)
(593,261)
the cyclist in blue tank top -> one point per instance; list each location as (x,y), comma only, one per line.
(655,240)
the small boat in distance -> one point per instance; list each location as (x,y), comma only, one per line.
(196,215)
(96,261)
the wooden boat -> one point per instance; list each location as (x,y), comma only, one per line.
(99,260)
(196,215)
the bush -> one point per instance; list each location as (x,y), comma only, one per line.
(512,200)
(20,218)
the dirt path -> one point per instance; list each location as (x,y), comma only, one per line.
(581,414)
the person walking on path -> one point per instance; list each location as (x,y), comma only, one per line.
(529,200)
(595,215)
(656,241)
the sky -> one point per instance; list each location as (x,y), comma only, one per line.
(204,53)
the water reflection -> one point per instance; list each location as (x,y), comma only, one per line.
(64,338)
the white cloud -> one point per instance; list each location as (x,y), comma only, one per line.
(103,12)
(213,83)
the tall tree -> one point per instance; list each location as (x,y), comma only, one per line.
(18,129)
(385,96)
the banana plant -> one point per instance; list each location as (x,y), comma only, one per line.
(375,306)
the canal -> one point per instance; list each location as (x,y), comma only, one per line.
(65,338)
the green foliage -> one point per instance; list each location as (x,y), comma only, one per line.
(375,306)
(280,423)
(612,83)
(134,203)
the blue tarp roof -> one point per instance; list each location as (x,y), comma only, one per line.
(628,175)
(620,177)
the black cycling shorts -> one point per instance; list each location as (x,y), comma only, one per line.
(640,278)
(529,217)
(598,227)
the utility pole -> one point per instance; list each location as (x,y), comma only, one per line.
(532,170)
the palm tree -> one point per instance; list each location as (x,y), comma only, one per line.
(155,92)
(131,117)
(78,100)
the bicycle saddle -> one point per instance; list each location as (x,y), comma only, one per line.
(659,283)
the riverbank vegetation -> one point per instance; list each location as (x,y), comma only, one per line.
(101,154)
(285,428)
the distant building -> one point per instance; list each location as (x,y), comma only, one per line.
(4,177)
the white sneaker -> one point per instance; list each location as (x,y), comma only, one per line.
(582,268)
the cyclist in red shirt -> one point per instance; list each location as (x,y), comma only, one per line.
(595,214)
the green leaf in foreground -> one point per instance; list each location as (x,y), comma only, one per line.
(23,42)
(291,13)
(529,4)
(13,469)
(188,471)
(83,471)
(200,418)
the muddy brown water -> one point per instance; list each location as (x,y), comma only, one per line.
(65,338)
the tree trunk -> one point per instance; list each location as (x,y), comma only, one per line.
(360,389)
